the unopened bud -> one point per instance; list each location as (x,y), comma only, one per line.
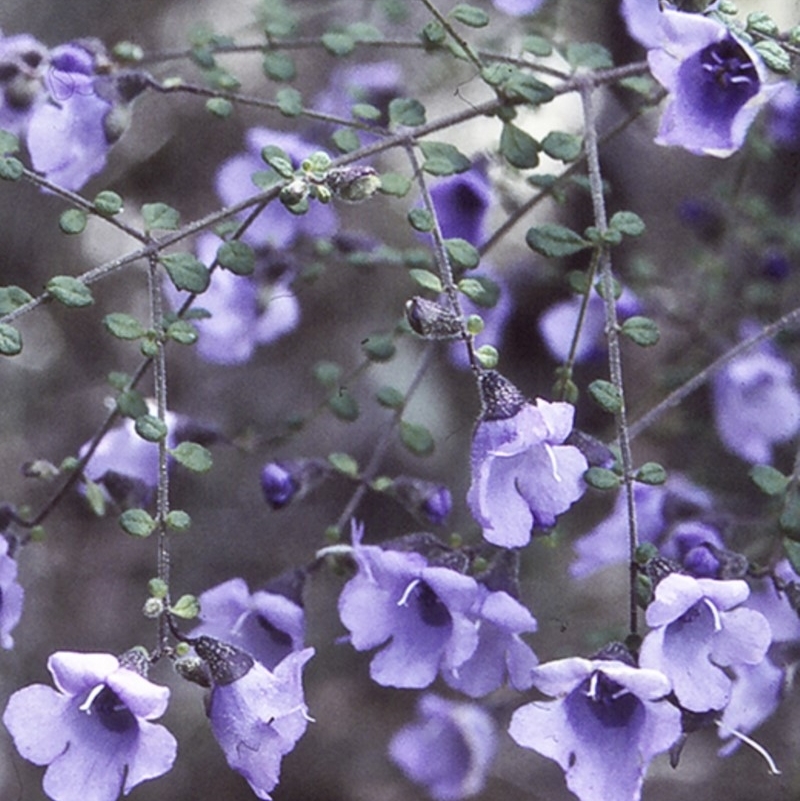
(353,184)
(432,321)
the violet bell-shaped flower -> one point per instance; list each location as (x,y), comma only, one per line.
(267,625)
(523,476)
(448,749)
(11,595)
(716,82)
(416,613)
(94,731)
(609,720)
(697,633)
(257,715)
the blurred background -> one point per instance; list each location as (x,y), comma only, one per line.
(86,582)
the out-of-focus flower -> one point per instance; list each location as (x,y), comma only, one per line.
(275,226)
(425,499)
(462,202)
(11,595)
(523,476)
(267,625)
(448,749)
(416,613)
(716,82)
(783,124)
(756,404)
(518,8)
(94,731)
(609,720)
(287,481)
(257,715)
(246,311)
(697,632)
(557,325)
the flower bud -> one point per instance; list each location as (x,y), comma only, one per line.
(283,482)
(431,320)
(353,184)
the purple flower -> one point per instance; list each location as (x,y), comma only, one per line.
(418,613)
(608,723)
(257,715)
(523,476)
(715,81)
(557,325)
(11,595)
(500,651)
(424,499)
(267,625)
(462,203)
(276,226)
(697,633)
(94,731)
(245,312)
(518,8)
(657,508)
(756,404)
(284,482)
(784,117)
(448,749)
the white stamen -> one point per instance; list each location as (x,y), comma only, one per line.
(592,691)
(407,592)
(553,463)
(757,747)
(86,706)
(714,614)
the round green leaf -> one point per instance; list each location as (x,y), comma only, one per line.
(642,330)
(390,397)
(161,216)
(769,480)
(774,56)
(443,159)
(487,356)
(150,428)
(187,607)
(137,523)
(179,521)
(182,332)
(12,297)
(219,107)
(462,253)
(131,404)
(426,279)
(651,473)
(480,290)
(237,256)
(346,140)
(606,395)
(602,479)
(123,326)
(108,203)
(470,15)
(10,340)
(417,438)
(406,111)
(344,463)
(366,112)
(518,148)
(69,291)
(186,272)
(555,240)
(11,169)
(344,406)
(393,183)
(562,146)
(72,221)
(193,456)
(278,66)
(628,223)
(421,220)
(379,347)
(327,373)
(338,44)
(290,102)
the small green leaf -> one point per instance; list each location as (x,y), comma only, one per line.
(338,44)
(589,55)
(179,521)
(481,290)
(628,223)
(290,102)
(95,497)
(12,297)
(130,403)
(537,45)
(182,332)
(344,463)
(470,15)
(344,406)
(150,428)
(237,256)
(433,34)
(487,356)
(390,397)
(364,32)
(128,51)
(366,112)
(563,146)
(774,56)
(72,221)
(186,272)
(279,160)
(193,456)
(137,523)
(406,111)
(219,107)
(9,143)
(421,220)
(346,140)
(160,216)
(555,240)
(393,183)
(123,326)
(278,66)
(69,291)
(10,340)
(769,480)
(187,607)
(497,74)
(606,395)
(379,347)
(443,159)
(641,330)
(157,588)
(417,438)
(327,373)
(461,253)
(107,203)
(426,279)
(761,22)
(651,473)
(518,148)
(11,169)
(523,86)
(601,478)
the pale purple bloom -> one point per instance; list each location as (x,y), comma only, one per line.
(609,720)
(417,614)
(257,715)
(462,203)
(275,226)
(11,595)
(267,625)
(558,322)
(697,632)
(715,81)
(246,311)
(94,731)
(448,749)
(424,499)
(518,8)
(500,652)
(756,404)
(523,476)
(657,509)
(784,117)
